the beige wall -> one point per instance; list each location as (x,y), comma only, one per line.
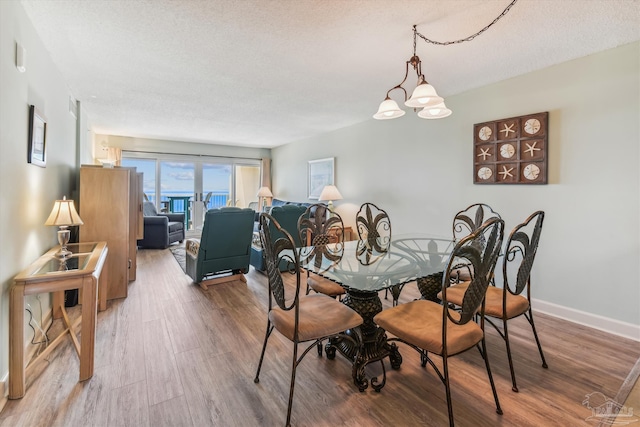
(420,171)
(27,192)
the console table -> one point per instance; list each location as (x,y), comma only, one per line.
(81,270)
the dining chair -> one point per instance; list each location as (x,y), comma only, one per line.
(471,218)
(467,221)
(299,318)
(511,300)
(323,232)
(429,327)
(374,229)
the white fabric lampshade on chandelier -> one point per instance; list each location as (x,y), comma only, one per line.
(424,95)
(436,112)
(388,109)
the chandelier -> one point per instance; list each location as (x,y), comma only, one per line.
(424,96)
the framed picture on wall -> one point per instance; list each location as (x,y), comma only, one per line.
(321,173)
(37,138)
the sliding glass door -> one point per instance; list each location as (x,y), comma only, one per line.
(194,185)
(177,183)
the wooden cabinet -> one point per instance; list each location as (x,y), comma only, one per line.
(111,208)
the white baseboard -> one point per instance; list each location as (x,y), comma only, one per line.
(4,382)
(612,326)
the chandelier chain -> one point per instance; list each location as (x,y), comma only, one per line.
(466,39)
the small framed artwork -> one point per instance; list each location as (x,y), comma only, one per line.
(321,173)
(37,138)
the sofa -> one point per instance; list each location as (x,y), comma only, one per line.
(161,229)
(287,216)
(274,204)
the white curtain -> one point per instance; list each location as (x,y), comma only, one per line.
(115,154)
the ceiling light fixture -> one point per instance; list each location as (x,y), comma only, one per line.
(424,96)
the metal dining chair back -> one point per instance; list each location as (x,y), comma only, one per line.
(322,236)
(513,299)
(465,222)
(373,224)
(297,316)
(471,218)
(432,328)
(374,231)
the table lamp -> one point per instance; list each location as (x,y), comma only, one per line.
(262,193)
(330,193)
(63,215)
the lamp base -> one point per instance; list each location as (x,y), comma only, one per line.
(63,252)
(63,238)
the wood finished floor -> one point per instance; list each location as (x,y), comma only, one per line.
(173,355)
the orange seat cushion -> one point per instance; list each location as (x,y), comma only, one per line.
(325,286)
(516,304)
(320,316)
(420,323)
(462,273)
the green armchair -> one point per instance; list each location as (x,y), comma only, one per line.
(224,247)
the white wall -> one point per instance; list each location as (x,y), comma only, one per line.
(27,192)
(420,171)
(170,147)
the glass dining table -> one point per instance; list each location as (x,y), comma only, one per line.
(364,268)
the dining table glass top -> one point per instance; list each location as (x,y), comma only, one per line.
(371,266)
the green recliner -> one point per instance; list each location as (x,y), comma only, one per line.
(224,247)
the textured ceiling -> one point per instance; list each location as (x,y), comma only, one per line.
(263,73)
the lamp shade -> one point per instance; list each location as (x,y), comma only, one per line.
(330,192)
(436,112)
(388,110)
(63,214)
(424,95)
(264,192)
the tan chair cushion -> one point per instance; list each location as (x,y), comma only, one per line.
(516,304)
(320,316)
(420,323)
(325,286)
(463,273)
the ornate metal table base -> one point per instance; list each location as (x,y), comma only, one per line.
(430,286)
(374,340)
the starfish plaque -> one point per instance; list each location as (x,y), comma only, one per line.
(531,148)
(507,129)
(506,172)
(485,153)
